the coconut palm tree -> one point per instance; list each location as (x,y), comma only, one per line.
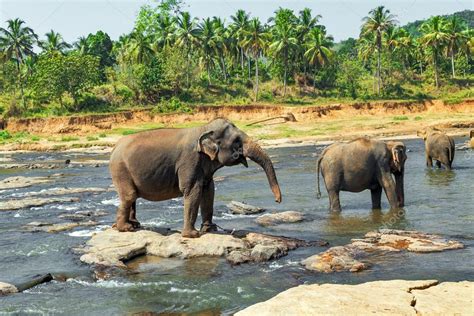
(434,36)
(208,45)
(81,45)
(16,43)
(140,47)
(284,40)
(54,43)
(377,22)
(186,35)
(239,26)
(306,22)
(255,41)
(318,49)
(166,30)
(222,43)
(456,38)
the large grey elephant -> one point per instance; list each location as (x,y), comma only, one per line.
(364,164)
(438,146)
(162,164)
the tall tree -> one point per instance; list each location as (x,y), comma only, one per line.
(186,36)
(377,22)
(284,40)
(16,43)
(255,41)
(140,47)
(434,37)
(318,49)
(456,38)
(222,43)
(208,45)
(54,43)
(306,22)
(239,27)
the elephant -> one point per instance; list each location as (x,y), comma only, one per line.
(438,146)
(167,163)
(363,164)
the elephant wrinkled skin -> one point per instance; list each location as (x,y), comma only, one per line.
(162,164)
(438,146)
(364,164)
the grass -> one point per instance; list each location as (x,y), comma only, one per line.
(400,118)
(69,138)
(92,138)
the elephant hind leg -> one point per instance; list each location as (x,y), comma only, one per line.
(376,195)
(133,215)
(334,202)
(128,196)
(438,164)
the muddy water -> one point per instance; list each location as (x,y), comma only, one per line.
(437,201)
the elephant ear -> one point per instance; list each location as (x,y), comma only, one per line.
(207,145)
(398,153)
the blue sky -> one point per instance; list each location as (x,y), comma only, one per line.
(74,18)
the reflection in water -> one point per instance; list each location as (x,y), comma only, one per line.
(338,223)
(440,177)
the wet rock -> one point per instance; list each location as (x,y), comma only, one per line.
(447,298)
(243,209)
(395,297)
(65,191)
(280,218)
(22,182)
(29,166)
(55,228)
(112,248)
(11,205)
(81,215)
(357,255)
(5,159)
(6,288)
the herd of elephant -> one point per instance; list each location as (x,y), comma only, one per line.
(163,164)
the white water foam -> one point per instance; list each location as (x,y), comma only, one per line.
(118,284)
(114,201)
(88,232)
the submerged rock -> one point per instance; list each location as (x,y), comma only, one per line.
(56,228)
(81,215)
(112,248)
(280,218)
(6,288)
(11,205)
(64,191)
(243,209)
(22,182)
(354,256)
(396,297)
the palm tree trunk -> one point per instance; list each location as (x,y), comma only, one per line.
(284,79)
(242,58)
(314,80)
(379,79)
(208,75)
(452,64)
(248,58)
(187,70)
(224,70)
(19,80)
(435,66)
(256,78)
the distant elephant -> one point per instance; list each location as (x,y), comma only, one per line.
(364,164)
(162,164)
(438,146)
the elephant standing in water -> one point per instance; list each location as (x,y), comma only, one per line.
(364,164)
(438,146)
(162,164)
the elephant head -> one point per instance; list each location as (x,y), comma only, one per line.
(397,167)
(227,145)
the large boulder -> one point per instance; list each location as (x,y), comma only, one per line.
(356,256)
(243,209)
(280,218)
(396,297)
(113,248)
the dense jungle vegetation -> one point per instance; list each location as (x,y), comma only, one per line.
(172,61)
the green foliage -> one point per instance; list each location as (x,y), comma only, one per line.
(173,105)
(400,118)
(348,81)
(69,138)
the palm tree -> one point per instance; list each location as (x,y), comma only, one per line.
(455,38)
(255,42)
(16,43)
(377,22)
(306,22)
(54,43)
(186,36)
(166,29)
(318,49)
(81,45)
(140,47)
(208,45)
(284,40)
(239,26)
(222,43)
(435,37)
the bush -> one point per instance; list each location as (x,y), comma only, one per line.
(90,102)
(172,105)
(5,135)
(400,118)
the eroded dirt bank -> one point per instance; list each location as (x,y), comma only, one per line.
(99,122)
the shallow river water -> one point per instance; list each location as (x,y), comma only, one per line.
(437,201)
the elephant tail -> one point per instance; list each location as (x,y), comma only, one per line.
(318,169)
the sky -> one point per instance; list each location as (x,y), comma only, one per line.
(75,18)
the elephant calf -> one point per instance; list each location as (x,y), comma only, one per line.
(162,164)
(438,146)
(363,164)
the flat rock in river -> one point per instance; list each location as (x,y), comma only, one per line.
(356,256)
(11,205)
(6,288)
(395,297)
(243,209)
(112,248)
(280,218)
(22,182)
(64,191)
(56,228)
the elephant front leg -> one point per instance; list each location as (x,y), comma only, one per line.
(386,181)
(376,195)
(207,208)
(334,203)
(192,198)
(429,161)
(133,215)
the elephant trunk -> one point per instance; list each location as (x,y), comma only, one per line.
(399,188)
(253,151)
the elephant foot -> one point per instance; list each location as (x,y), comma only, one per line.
(124,227)
(207,228)
(190,233)
(135,223)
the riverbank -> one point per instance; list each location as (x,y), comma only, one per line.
(313,125)
(394,297)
